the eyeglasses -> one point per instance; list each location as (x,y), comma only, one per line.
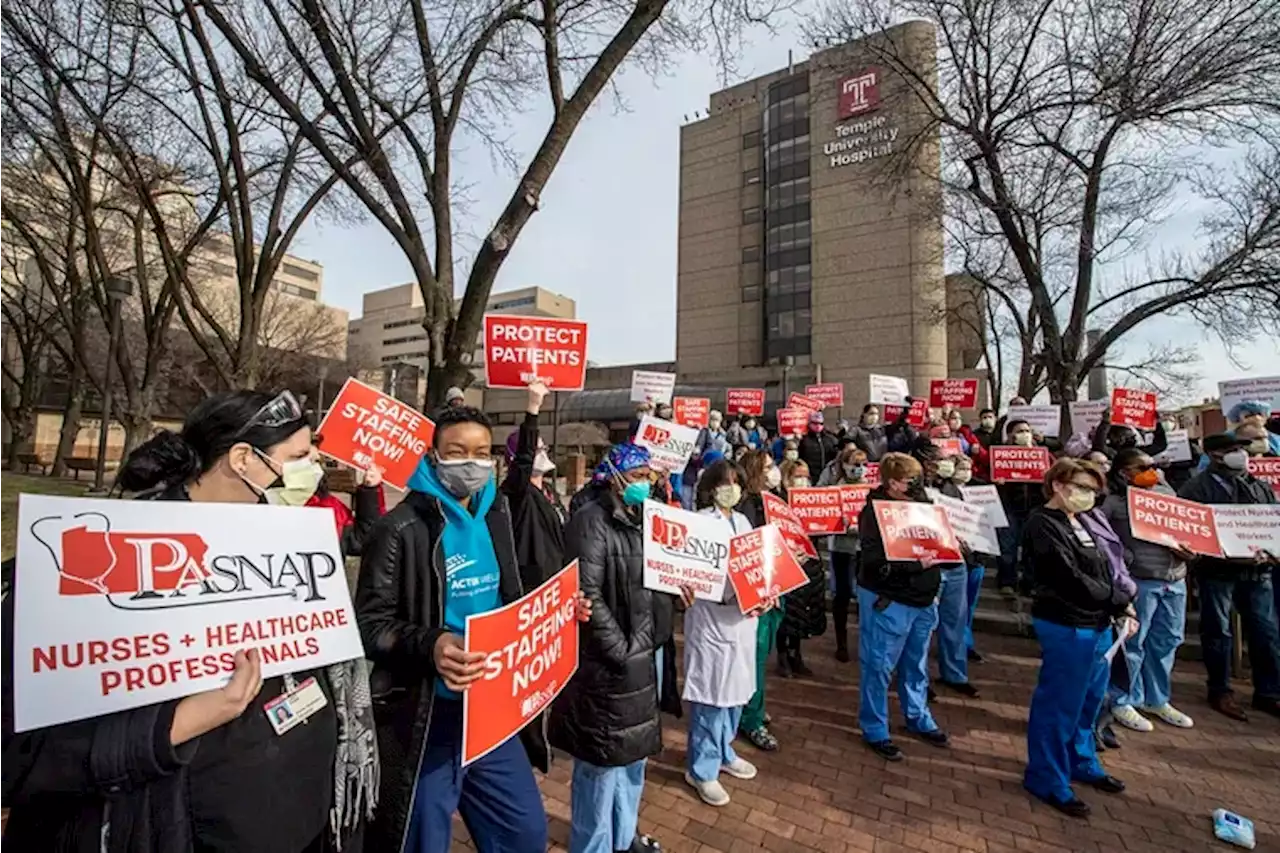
(283,409)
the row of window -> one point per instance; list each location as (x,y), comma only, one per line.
(388,342)
(788,258)
(783,132)
(800,275)
(796,84)
(786,112)
(781,174)
(798,348)
(801,298)
(512,303)
(786,237)
(408,356)
(799,212)
(400,324)
(294,290)
(789,200)
(298,272)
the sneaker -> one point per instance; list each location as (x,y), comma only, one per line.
(1166,713)
(712,793)
(1126,716)
(740,768)
(761,739)
(643,844)
(937,737)
(886,749)
(1227,705)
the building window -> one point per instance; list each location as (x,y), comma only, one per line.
(750,140)
(751,215)
(298,272)
(294,290)
(750,254)
(400,324)
(522,302)
(751,176)
(390,342)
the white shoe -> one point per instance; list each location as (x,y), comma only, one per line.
(1166,713)
(740,768)
(712,793)
(1131,719)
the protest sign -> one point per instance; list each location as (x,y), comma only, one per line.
(520,350)
(669,444)
(872,477)
(1266,469)
(744,401)
(800,401)
(650,386)
(776,511)
(1019,464)
(988,498)
(1179,449)
(761,566)
(531,652)
(365,427)
(1045,420)
(792,421)
(916,531)
(692,411)
(948,446)
(853,497)
(953,393)
(830,394)
(1086,414)
(121,604)
(1131,407)
(818,509)
(683,548)
(1173,522)
(890,390)
(1246,529)
(918,414)
(971,524)
(1263,388)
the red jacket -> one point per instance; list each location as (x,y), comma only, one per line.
(352,526)
(981,458)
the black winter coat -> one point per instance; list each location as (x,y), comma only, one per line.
(817,449)
(804,611)
(906,582)
(399,605)
(1071,583)
(1220,485)
(608,713)
(536,521)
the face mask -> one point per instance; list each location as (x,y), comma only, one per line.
(749,424)
(1169,426)
(542,463)
(946,468)
(664,414)
(871,420)
(855,472)
(714,423)
(772,478)
(727,496)
(962,476)
(297,482)
(988,423)
(954,426)
(462,478)
(1236,460)
(1145,479)
(1022,439)
(800,483)
(635,494)
(1079,500)
(791,455)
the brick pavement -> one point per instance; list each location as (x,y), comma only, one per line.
(823,791)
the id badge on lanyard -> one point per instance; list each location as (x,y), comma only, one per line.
(297,704)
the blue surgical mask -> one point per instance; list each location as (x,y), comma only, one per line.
(635,494)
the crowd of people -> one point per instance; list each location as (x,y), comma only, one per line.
(379,767)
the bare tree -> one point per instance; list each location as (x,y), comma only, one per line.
(1072,131)
(27,331)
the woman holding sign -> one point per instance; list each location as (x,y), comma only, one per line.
(804,609)
(848,469)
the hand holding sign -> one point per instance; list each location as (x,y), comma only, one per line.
(457,666)
(202,713)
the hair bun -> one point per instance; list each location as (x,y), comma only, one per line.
(165,458)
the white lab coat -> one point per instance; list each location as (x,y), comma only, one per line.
(720,644)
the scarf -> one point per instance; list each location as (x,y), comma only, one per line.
(356,772)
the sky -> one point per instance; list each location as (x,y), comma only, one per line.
(606,231)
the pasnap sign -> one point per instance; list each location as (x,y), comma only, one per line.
(762,567)
(365,427)
(829,394)
(1267,470)
(121,604)
(859,93)
(520,350)
(669,444)
(800,401)
(853,497)
(1130,407)
(953,393)
(916,531)
(819,509)
(530,649)
(683,548)
(744,401)
(1173,522)
(777,511)
(692,411)
(1019,464)
(792,421)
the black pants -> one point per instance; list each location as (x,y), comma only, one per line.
(842,566)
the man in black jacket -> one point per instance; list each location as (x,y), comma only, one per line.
(537,516)
(1246,583)
(818,447)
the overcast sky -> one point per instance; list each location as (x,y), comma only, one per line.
(606,233)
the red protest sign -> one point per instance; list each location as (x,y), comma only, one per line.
(792,421)
(949,446)
(1133,408)
(518,350)
(531,652)
(691,411)
(1019,464)
(1171,521)
(891,412)
(800,401)
(365,427)
(915,531)
(852,499)
(953,393)
(761,566)
(776,511)
(1267,470)
(744,401)
(872,477)
(918,414)
(829,394)
(818,508)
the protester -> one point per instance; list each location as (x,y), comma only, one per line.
(869,435)
(444,553)
(454,398)
(818,447)
(1018,499)
(537,515)
(985,432)
(1258,440)
(897,612)
(642,410)
(1110,438)
(711,439)
(956,429)
(746,433)
(607,716)
(804,609)
(1074,599)
(368,504)
(1257,413)
(849,468)
(719,654)
(900,435)
(1244,583)
(977,562)
(1161,603)
(199,773)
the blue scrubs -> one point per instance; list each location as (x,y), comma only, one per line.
(896,637)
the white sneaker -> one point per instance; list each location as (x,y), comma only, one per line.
(1131,719)
(712,793)
(1166,713)
(740,768)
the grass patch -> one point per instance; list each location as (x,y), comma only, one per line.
(12,485)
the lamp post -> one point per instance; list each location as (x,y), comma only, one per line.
(118,289)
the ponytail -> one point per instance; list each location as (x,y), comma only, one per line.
(164,459)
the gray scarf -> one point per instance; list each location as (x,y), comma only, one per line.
(356,771)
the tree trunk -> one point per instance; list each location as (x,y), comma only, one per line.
(136,431)
(70,419)
(22,429)
(440,378)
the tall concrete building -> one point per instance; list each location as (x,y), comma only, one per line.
(810,237)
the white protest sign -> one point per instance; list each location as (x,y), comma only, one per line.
(1045,420)
(683,548)
(987,497)
(127,603)
(650,386)
(669,444)
(1179,449)
(1245,529)
(1086,414)
(888,390)
(1264,388)
(970,523)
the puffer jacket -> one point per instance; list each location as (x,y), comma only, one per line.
(1145,560)
(805,609)
(608,713)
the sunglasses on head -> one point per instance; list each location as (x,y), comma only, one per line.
(282,409)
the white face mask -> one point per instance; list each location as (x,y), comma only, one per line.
(1078,500)
(791,455)
(542,463)
(988,423)
(727,496)
(296,484)
(1236,460)
(1023,439)
(954,426)
(714,423)
(1169,426)
(772,478)
(962,476)
(800,483)
(871,419)
(946,468)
